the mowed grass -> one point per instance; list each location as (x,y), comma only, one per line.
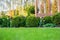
(29,33)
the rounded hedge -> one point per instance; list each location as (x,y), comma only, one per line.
(47,19)
(32,21)
(56,19)
(18,21)
(5,21)
(0,21)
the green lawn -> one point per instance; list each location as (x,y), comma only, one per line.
(29,33)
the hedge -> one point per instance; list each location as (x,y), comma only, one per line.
(32,21)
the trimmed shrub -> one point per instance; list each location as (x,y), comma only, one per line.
(49,25)
(22,21)
(5,21)
(47,19)
(18,21)
(32,21)
(0,21)
(56,19)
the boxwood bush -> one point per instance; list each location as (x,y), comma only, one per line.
(32,21)
(56,19)
(47,19)
(0,21)
(5,21)
(18,21)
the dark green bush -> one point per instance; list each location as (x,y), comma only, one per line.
(47,19)
(0,21)
(5,21)
(22,21)
(49,25)
(18,21)
(56,19)
(32,21)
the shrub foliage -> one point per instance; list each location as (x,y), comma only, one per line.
(32,21)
